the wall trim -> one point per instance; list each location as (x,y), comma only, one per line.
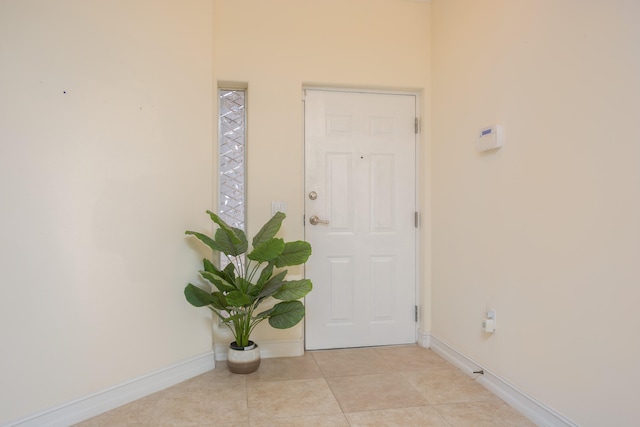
(268,349)
(424,339)
(94,404)
(536,411)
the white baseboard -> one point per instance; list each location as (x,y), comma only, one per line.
(97,403)
(268,349)
(537,412)
(86,407)
(423,339)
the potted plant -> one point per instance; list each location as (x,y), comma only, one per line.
(250,278)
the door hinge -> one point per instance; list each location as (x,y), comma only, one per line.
(416,219)
(416,312)
(417,125)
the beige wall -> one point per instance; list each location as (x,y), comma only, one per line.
(99,183)
(546,229)
(283,45)
(106,122)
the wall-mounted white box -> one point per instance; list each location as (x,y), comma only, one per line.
(490,138)
(488,325)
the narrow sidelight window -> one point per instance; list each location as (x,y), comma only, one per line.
(231,158)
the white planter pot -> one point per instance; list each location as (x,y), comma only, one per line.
(243,360)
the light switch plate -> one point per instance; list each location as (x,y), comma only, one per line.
(278,207)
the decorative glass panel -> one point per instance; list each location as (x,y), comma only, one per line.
(231,155)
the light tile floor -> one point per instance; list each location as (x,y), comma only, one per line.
(382,386)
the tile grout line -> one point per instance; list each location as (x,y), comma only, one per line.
(324,377)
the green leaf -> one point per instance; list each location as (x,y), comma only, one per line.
(230,272)
(269,230)
(265,275)
(229,244)
(286,314)
(243,284)
(238,299)
(227,274)
(263,315)
(209,266)
(196,296)
(201,298)
(218,280)
(218,301)
(267,251)
(224,226)
(206,240)
(293,290)
(232,240)
(294,253)
(273,285)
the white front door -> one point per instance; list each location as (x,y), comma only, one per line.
(360,174)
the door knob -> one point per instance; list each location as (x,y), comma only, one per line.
(314,220)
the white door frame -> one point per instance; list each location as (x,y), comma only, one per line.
(417,185)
